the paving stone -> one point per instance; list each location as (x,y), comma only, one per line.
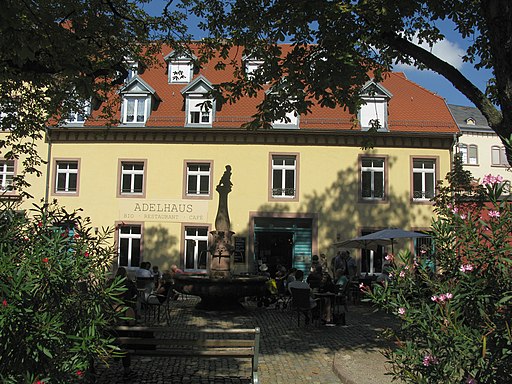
(288,353)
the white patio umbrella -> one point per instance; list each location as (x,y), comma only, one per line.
(362,243)
(391,234)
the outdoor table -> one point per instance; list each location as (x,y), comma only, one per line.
(335,310)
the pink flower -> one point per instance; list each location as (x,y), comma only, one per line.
(4,303)
(494,214)
(429,360)
(455,209)
(76,236)
(44,260)
(463,216)
(389,257)
(402,273)
(401,311)
(466,268)
(86,254)
(40,224)
(448,295)
(442,297)
(434,298)
(79,373)
(490,179)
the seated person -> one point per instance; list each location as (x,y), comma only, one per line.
(340,279)
(315,278)
(327,286)
(299,283)
(165,284)
(128,297)
(144,271)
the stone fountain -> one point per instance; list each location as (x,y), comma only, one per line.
(220,289)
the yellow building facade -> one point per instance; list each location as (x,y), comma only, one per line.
(299,188)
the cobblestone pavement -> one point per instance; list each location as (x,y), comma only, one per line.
(288,352)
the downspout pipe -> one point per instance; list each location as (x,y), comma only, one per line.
(48,167)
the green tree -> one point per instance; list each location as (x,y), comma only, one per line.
(57,54)
(354,40)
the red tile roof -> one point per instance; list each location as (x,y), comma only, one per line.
(412,108)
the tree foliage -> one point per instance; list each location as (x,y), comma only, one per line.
(356,40)
(54,55)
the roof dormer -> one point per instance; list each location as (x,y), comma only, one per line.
(251,65)
(199,104)
(139,98)
(374,110)
(180,67)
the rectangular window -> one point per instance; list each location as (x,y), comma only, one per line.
(200,111)
(424,179)
(375,110)
(473,154)
(372,178)
(469,154)
(284,176)
(132,178)
(135,109)
(196,248)
(66,178)
(180,71)
(198,179)
(129,245)
(79,116)
(7,168)
(499,156)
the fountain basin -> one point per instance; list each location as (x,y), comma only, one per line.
(220,293)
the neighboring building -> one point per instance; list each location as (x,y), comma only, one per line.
(298,188)
(482,151)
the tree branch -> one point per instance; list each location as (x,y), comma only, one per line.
(459,81)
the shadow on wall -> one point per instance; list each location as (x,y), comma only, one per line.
(342,214)
(158,243)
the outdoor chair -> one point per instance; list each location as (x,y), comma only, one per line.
(154,306)
(301,303)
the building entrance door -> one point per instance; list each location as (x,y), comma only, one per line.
(275,248)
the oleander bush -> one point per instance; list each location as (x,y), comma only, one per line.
(455,321)
(55,298)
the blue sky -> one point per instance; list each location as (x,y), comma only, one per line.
(450,50)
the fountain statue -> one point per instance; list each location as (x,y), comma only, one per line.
(222,248)
(220,289)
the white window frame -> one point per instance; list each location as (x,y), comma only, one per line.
(7,176)
(195,240)
(372,170)
(498,156)
(132,174)
(130,237)
(199,174)
(180,71)
(371,110)
(469,154)
(424,172)
(79,117)
(136,99)
(282,168)
(195,105)
(67,172)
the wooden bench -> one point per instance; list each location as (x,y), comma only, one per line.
(203,343)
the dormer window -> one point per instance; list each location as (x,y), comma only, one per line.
(374,110)
(135,109)
(138,100)
(180,67)
(470,121)
(80,115)
(199,106)
(251,65)
(291,121)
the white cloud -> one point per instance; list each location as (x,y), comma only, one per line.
(446,50)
